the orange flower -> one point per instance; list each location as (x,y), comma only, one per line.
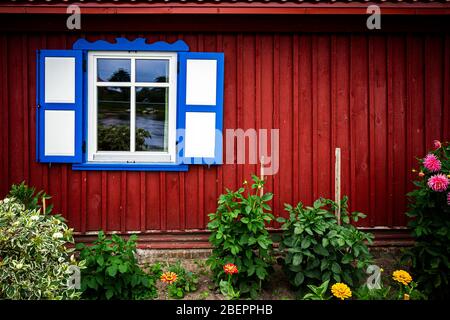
(169,277)
(230,268)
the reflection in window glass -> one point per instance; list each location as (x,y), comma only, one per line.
(151,118)
(113,70)
(113,127)
(152,70)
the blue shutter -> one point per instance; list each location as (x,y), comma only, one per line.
(200,107)
(60,101)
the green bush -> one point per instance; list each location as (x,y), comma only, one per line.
(316,248)
(429,211)
(239,236)
(34,261)
(112,271)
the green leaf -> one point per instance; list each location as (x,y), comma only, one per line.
(261,273)
(100,261)
(297,259)
(299,278)
(336,268)
(123,268)
(306,243)
(112,270)
(109,293)
(319,249)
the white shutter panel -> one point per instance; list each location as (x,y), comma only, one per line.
(60,101)
(200,107)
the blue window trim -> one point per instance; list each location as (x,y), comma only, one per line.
(130,166)
(77,106)
(217,108)
(122,44)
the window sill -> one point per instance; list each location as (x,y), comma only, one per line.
(130,166)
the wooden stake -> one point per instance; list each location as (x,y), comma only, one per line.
(261,192)
(43,205)
(337,184)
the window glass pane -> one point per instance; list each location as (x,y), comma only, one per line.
(113,116)
(113,70)
(152,70)
(151,118)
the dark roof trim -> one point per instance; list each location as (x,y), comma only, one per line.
(396,7)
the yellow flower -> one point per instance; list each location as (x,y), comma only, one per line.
(402,276)
(169,277)
(381,270)
(406,296)
(341,291)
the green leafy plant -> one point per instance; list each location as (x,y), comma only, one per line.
(112,271)
(239,236)
(186,282)
(31,199)
(365,293)
(318,292)
(429,213)
(34,260)
(316,248)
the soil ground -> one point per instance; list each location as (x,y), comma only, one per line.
(278,288)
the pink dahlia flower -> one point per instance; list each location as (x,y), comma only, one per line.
(432,163)
(438,182)
(437,144)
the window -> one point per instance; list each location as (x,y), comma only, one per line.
(131,107)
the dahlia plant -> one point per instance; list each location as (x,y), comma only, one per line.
(429,210)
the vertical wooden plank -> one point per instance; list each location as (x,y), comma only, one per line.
(143,202)
(285,119)
(4,114)
(153,216)
(314,120)
(162,201)
(114,201)
(446,93)
(324,164)
(123,201)
(94,203)
(433,88)
(378,131)
(172,201)
(295,123)
(415,104)
(16,110)
(277,204)
(133,205)
(359,123)
(104,198)
(267,102)
(305,120)
(341,80)
(399,130)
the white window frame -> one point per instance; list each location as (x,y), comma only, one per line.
(129,156)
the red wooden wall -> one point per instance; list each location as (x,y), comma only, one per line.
(381,98)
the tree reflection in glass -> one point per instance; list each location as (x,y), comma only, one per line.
(151,116)
(113,70)
(113,118)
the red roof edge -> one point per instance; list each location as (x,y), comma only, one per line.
(433,8)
